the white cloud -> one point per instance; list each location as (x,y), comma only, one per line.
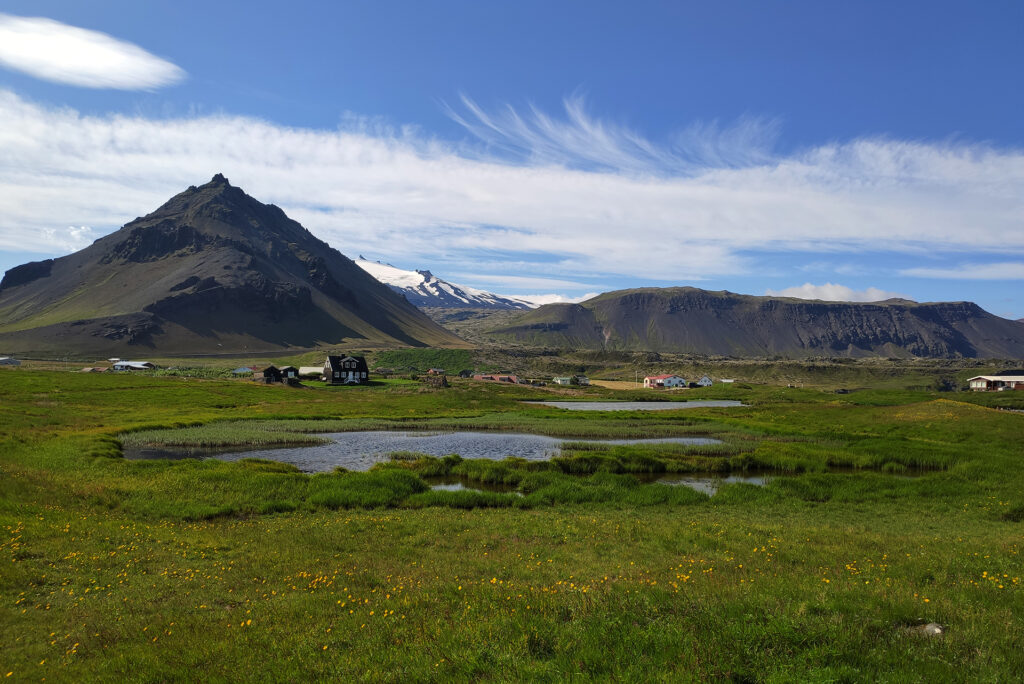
(581,141)
(1008,270)
(542,299)
(69,239)
(830,292)
(634,212)
(57,52)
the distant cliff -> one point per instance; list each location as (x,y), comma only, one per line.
(690,320)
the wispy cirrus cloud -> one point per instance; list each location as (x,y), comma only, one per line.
(57,52)
(581,199)
(1007,270)
(832,292)
(579,140)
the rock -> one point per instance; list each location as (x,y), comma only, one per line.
(931,629)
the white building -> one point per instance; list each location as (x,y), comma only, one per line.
(996,383)
(705,381)
(659,381)
(133,365)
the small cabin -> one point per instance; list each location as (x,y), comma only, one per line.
(346,370)
(705,381)
(562,380)
(289,372)
(267,375)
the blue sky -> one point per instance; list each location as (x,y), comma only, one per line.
(821,149)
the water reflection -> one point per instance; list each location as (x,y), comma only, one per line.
(638,405)
(361,450)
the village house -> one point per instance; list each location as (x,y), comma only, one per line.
(997,383)
(346,370)
(664,381)
(289,372)
(562,381)
(705,381)
(133,365)
(267,375)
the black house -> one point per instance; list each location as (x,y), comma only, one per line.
(267,375)
(346,370)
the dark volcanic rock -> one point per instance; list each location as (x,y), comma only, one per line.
(211,270)
(26,273)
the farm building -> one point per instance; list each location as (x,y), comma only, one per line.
(996,383)
(267,375)
(562,381)
(705,381)
(133,365)
(346,370)
(661,381)
(289,372)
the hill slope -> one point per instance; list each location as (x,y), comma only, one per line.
(690,320)
(212,270)
(424,289)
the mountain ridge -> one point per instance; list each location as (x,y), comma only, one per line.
(423,289)
(210,270)
(691,320)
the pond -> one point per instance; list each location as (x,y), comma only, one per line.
(639,405)
(360,450)
(708,483)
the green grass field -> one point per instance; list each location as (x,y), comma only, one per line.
(112,569)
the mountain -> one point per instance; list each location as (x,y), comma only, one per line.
(690,320)
(212,270)
(423,288)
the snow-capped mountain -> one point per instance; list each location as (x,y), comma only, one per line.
(423,288)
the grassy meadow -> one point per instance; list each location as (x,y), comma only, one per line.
(892,508)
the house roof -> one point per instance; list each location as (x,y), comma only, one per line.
(336,360)
(662,377)
(998,378)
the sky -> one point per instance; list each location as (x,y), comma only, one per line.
(819,149)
